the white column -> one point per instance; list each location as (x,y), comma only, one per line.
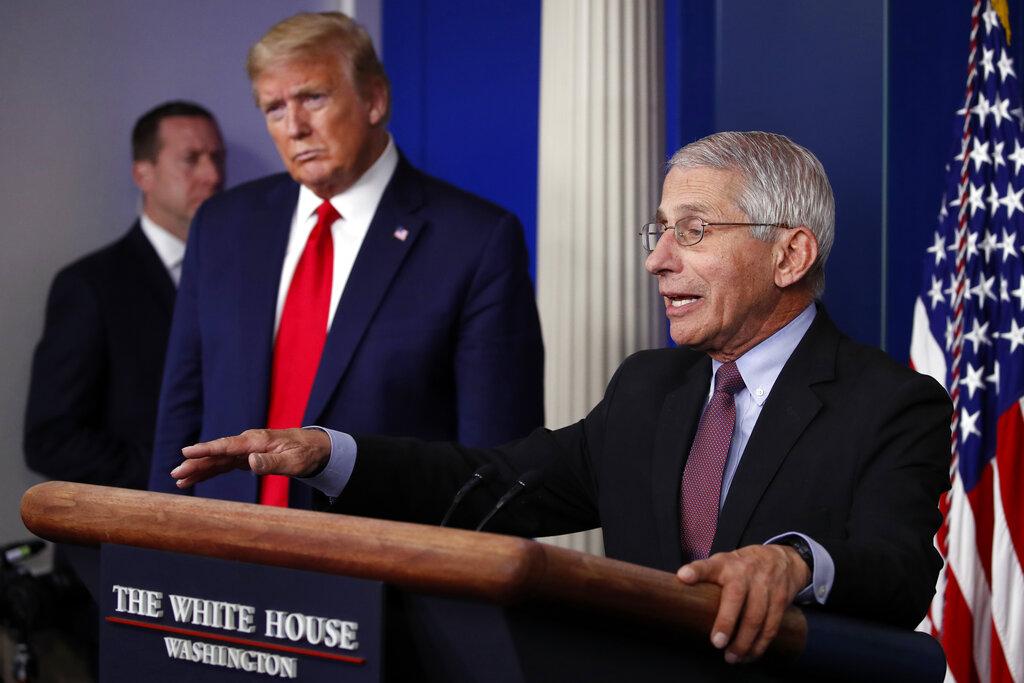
(367,13)
(600,153)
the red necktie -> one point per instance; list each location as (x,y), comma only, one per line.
(300,340)
(702,478)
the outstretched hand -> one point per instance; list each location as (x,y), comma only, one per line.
(758,583)
(291,452)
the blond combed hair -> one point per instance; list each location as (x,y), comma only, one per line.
(314,36)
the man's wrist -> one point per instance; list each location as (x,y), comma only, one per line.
(800,552)
(323,451)
(802,548)
(822,567)
(803,574)
(336,467)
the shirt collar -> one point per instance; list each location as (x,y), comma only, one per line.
(761,365)
(167,246)
(362,198)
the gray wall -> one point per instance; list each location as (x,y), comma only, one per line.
(73,79)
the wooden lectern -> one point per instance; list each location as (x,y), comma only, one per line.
(474,606)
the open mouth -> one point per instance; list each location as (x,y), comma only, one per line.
(676,301)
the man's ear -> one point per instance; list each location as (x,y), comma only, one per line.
(142,175)
(795,251)
(376,99)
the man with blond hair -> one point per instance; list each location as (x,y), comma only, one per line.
(354,290)
(769,454)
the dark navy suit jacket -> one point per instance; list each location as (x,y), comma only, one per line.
(436,335)
(96,372)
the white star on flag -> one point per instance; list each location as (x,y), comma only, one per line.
(1015,335)
(1019,293)
(936,292)
(993,199)
(984,289)
(981,110)
(1000,111)
(978,335)
(991,19)
(1008,246)
(1005,65)
(994,377)
(979,155)
(938,248)
(976,201)
(1017,157)
(986,61)
(973,379)
(1011,200)
(998,158)
(969,423)
(988,245)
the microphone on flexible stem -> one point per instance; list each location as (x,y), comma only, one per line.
(526,482)
(483,474)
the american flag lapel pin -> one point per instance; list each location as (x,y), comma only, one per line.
(401,233)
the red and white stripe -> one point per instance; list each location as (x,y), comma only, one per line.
(978,609)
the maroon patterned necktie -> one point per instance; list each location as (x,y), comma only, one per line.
(702,478)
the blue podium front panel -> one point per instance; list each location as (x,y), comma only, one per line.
(173,617)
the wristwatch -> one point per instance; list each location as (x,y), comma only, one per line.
(802,548)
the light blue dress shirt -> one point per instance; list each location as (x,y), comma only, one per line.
(759,367)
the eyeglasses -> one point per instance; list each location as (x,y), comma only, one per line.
(690,231)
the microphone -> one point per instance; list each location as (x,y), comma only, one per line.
(483,474)
(526,482)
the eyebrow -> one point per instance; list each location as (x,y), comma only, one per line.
(304,90)
(696,209)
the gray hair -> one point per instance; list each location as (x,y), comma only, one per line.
(782,183)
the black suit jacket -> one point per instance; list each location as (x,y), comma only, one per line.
(96,372)
(850,448)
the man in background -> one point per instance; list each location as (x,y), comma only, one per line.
(352,290)
(96,372)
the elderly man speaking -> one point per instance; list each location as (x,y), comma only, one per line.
(770,454)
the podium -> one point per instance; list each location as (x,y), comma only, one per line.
(469,606)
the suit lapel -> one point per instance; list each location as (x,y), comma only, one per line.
(379,260)
(677,425)
(262,252)
(786,414)
(150,270)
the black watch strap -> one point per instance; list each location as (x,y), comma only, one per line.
(802,548)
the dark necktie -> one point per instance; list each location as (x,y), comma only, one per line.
(300,340)
(702,477)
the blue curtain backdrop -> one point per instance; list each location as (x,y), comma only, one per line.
(465,86)
(870,87)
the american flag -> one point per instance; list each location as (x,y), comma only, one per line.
(968,333)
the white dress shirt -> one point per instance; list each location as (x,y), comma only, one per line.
(167,246)
(356,206)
